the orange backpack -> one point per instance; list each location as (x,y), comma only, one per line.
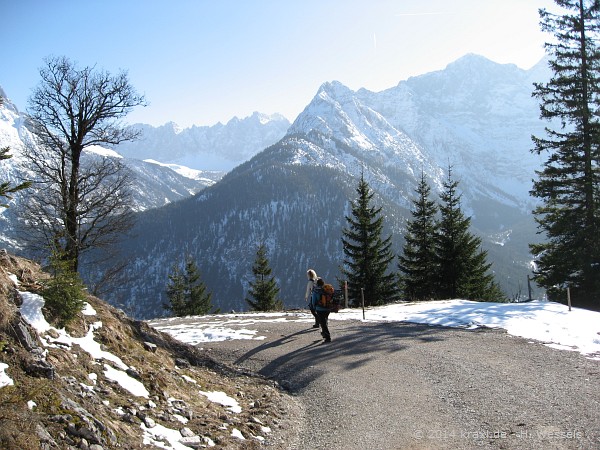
(328,298)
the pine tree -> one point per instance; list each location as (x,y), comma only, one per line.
(5,187)
(568,185)
(462,270)
(368,256)
(263,290)
(418,262)
(187,293)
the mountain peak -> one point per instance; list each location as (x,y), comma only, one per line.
(476,64)
(258,117)
(334,89)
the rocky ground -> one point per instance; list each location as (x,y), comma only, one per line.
(62,399)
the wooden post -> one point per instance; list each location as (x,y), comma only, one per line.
(346,294)
(529,286)
(362,300)
(569,297)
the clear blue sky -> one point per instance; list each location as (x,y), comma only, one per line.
(204,61)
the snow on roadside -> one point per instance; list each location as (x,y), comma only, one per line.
(547,322)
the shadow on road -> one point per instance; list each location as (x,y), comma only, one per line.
(298,358)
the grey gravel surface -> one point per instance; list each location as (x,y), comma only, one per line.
(408,386)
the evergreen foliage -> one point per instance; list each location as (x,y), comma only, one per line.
(5,187)
(568,184)
(186,292)
(263,290)
(367,254)
(418,262)
(64,293)
(462,270)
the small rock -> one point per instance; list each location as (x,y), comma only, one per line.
(149,346)
(192,442)
(149,422)
(133,373)
(186,432)
(182,363)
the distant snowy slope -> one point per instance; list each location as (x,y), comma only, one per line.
(475,115)
(213,148)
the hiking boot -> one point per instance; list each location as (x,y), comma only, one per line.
(316,325)
(326,340)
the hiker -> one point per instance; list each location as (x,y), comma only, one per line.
(322,312)
(312,279)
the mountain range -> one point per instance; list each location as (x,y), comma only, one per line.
(218,147)
(475,116)
(154,161)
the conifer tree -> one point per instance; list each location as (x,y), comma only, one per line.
(462,270)
(263,290)
(5,187)
(568,184)
(368,255)
(64,293)
(418,262)
(186,292)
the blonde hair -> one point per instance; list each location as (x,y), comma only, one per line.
(311,274)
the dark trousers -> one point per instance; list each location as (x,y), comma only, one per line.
(323,317)
(314,313)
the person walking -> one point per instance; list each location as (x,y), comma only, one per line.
(312,279)
(321,311)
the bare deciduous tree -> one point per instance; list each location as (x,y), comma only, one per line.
(80,199)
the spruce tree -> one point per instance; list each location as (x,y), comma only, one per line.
(5,187)
(568,184)
(418,262)
(462,270)
(263,290)
(186,292)
(368,255)
(64,293)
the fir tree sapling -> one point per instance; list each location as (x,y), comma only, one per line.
(264,291)
(186,292)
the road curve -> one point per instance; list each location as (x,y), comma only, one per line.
(409,386)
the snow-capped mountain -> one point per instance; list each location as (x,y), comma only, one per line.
(475,116)
(154,185)
(218,147)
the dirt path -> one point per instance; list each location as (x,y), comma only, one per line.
(407,386)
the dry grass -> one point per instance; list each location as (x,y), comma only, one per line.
(66,400)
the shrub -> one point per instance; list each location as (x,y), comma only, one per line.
(64,293)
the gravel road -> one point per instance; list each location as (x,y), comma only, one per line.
(409,386)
